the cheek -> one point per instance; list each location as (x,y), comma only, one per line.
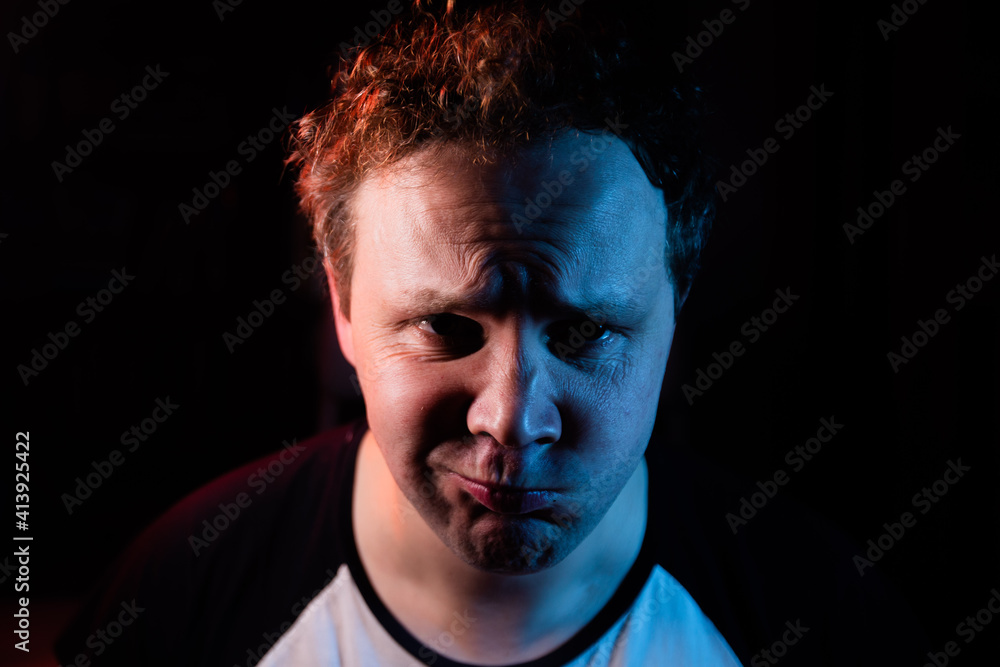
(621,398)
(615,416)
(414,390)
(412,407)
(648,368)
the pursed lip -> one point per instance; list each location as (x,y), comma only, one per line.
(506,499)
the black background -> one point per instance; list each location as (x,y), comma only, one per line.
(162,336)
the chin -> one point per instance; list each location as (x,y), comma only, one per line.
(525,546)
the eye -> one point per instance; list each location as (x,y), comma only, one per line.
(574,338)
(451,326)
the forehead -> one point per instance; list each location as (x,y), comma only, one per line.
(573,214)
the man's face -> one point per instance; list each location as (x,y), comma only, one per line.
(511,366)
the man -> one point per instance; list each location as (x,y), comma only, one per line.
(510,360)
(511,220)
(491,451)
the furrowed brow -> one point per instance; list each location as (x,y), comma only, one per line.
(614,307)
(429,300)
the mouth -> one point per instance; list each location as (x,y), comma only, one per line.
(506,499)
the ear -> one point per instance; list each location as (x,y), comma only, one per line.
(681,298)
(345,333)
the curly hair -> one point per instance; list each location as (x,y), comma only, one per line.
(490,76)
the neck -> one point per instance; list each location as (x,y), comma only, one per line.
(516,617)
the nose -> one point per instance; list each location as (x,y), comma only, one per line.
(514,400)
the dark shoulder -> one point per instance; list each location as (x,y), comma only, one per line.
(271,493)
(228,564)
(774,570)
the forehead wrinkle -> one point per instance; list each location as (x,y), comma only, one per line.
(499,276)
(503,278)
(540,270)
(499,284)
(476,217)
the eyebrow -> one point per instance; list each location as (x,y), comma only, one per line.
(614,307)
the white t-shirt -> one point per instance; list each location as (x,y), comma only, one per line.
(663,626)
